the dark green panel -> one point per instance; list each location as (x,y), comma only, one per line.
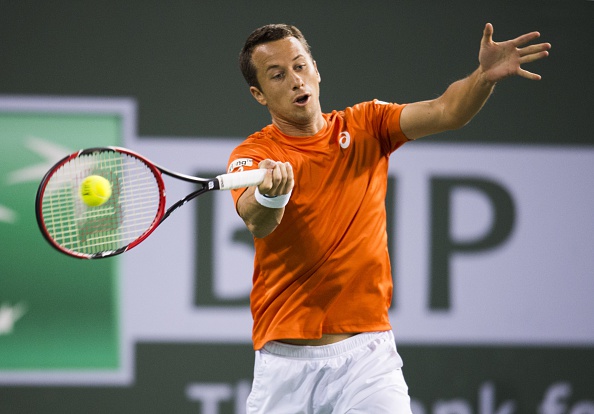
(179,59)
(435,375)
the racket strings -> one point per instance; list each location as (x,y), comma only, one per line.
(131,210)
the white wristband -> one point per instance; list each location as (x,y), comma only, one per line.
(272,202)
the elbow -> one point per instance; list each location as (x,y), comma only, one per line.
(258,233)
(453,122)
(458,124)
(261,230)
(455,117)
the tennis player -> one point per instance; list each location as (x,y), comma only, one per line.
(322,282)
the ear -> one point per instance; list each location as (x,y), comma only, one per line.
(318,73)
(258,95)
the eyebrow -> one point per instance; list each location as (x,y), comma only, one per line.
(272,67)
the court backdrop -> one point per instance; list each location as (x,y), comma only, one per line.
(492,252)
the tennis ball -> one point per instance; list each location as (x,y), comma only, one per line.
(95,190)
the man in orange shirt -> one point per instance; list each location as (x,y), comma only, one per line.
(322,281)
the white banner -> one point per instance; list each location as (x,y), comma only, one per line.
(516,264)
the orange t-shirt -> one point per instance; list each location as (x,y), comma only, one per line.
(326,268)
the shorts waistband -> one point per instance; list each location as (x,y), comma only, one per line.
(326,351)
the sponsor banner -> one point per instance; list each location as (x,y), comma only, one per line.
(216,379)
(491,249)
(491,244)
(59,317)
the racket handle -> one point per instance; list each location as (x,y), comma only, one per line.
(241,179)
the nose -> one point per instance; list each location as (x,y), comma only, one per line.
(297,81)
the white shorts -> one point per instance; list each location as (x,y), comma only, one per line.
(362,374)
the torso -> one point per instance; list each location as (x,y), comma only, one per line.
(326,339)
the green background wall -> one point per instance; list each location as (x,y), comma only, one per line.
(179,59)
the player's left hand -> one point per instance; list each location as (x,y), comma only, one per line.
(499,60)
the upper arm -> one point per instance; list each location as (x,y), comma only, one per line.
(423,118)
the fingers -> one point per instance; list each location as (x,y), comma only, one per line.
(282,179)
(279,179)
(533,56)
(528,75)
(530,54)
(502,59)
(267,164)
(488,33)
(535,49)
(518,41)
(525,38)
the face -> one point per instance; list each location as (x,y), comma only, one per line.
(289,84)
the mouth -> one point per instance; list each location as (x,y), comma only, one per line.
(302,99)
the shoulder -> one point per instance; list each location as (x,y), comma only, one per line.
(375,107)
(370,114)
(260,138)
(256,147)
(380,119)
(265,133)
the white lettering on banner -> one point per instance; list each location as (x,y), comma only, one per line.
(487,401)
(529,283)
(452,407)
(211,395)
(486,404)
(555,401)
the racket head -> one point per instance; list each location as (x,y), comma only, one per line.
(130,215)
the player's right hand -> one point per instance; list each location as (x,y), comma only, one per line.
(279,179)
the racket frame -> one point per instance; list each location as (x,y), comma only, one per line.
(223,181)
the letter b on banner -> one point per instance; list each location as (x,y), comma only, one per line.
(443,244)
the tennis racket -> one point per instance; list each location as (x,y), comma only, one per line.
(134,210)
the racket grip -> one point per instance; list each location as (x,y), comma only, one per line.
(241,179)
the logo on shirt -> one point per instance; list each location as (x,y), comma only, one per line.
(344,139)
(239,164)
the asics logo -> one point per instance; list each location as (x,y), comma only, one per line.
(344,139)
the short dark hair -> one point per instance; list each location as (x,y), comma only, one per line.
(265,34)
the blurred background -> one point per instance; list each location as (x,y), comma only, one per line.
(493,294)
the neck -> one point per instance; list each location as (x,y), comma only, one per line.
(300,130)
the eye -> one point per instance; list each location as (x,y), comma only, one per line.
(277,76)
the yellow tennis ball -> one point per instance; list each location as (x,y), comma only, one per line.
(95,190)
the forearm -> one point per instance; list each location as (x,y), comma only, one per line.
(452,110)
(464,99)
(260,220)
